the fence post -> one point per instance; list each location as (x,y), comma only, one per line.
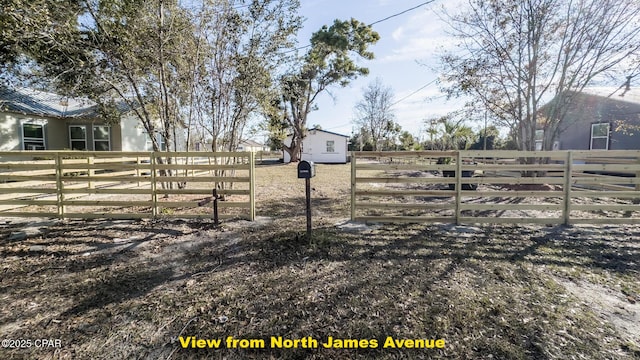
(60,193)
(91,171)
(138,162)
(154,195)
(252,181)
(636,199)
(353,185)
(566,211)
(458,185)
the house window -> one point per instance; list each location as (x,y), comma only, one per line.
(101,138)
(539,139)
(78,137)
(33,136)
(148,145)
(599,136)
(331,146)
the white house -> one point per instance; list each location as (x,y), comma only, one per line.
(38,120)
(321,146)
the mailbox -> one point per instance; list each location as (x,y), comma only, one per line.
(306,169)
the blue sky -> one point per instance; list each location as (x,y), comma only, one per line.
(404,57)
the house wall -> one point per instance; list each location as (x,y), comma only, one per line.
(314,148)
(134,136)
(594,109)
(56,132)
(9,132)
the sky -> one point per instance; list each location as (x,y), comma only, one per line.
(405,58)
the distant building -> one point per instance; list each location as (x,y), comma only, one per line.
(251,146)
(321,146)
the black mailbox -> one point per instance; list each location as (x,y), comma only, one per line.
(306,169)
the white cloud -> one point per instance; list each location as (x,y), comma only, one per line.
(421,37)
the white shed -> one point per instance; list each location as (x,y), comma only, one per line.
(321,146)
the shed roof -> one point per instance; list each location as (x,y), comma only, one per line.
(328,132)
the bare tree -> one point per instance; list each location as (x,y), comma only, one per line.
(235,71)
(374,113)
(517,55)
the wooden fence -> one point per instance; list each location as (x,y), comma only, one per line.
(546,187)
(126,185)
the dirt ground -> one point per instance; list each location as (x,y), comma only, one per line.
(152,289)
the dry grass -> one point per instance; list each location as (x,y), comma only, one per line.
(122,289)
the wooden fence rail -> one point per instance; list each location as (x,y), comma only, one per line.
(544,187)
(127,185)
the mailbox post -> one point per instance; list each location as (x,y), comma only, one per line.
(307,170)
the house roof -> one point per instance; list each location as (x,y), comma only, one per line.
(35,102)
(328,132)
(631,95)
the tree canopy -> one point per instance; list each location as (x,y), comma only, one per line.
(328,62)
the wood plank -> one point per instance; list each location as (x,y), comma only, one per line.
(605,207)
(372,205)
(414,167)
(23,214)
(604,221)
(177,204)
(204,216)
(203,167)
(126,203)
(404,180)
(101,178)
(108,191)
(190,179)
(495,207)
(607,167)
(202,154)
(234,204)
(4,177)
(102,215)
(555,155)
(586,154)
(23,166)
(405,219)
(184,191)
(512,167)
(513,193)
(29,202)
(505,220)
(25,191)
(131,173)
(95,166)
(422,153)
(433,193)
(604,180)
(598,193)
(514,181)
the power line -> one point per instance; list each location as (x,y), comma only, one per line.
(375,22)
(415,92)
(402,12)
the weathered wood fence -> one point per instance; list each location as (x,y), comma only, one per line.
(126,185)
(547,187)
